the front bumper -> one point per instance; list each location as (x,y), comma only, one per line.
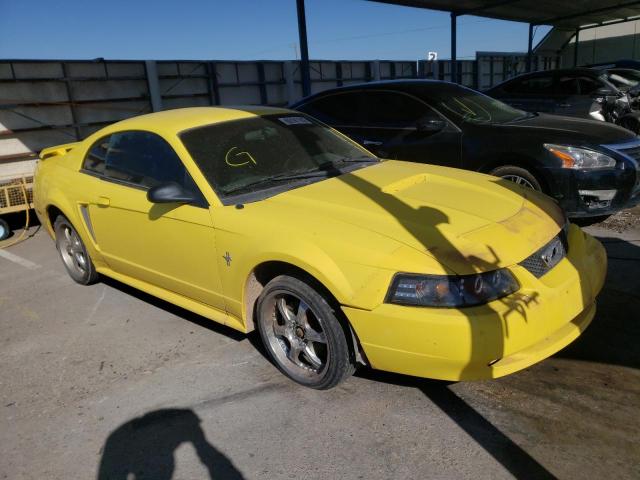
(585,193)
(492,340)
(567,186)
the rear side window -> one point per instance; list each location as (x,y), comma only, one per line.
(337,109)
(589,85)
(391,109)
(97,156)
(138,158)
(531,86)
(578,85)
(568,85)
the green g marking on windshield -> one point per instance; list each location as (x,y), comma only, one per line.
(238,159)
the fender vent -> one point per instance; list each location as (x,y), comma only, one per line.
(87,221)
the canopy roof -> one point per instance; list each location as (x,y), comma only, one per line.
(571,14)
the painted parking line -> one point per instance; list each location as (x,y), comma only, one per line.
(19,260)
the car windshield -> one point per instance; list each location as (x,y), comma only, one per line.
(253,154)
(624,78)
(473,107)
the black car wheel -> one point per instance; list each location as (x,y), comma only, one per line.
(302,334)
(517,175)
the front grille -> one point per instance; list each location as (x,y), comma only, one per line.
(548,256)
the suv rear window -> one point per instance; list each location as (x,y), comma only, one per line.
(531,86)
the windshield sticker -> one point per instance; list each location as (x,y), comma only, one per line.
(238,159)
(295,121)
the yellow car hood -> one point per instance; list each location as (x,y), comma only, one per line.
(467,221)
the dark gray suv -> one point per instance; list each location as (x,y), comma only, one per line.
(576,92)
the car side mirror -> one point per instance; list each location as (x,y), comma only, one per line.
(432,125)
(169,193)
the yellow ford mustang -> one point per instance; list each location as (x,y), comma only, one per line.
(264,218)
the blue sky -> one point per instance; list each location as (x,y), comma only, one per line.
(241,29)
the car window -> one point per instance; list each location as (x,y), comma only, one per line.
(532,86)
(335,109)
(589,85)
(393,109)
(250,155)
(97,155)
(138,158)
(568,85)
(624,78)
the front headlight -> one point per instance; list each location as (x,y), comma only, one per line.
(578,158)
(451,290)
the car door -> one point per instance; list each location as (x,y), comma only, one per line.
(532,94)
(400,126)
(171,246)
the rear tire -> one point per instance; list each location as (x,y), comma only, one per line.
(517,175)
(5,230)
(75,257)
(302,334)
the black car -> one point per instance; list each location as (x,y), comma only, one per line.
(578,92)
(591,168)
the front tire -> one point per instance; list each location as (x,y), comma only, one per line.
(517,175)
(302,334)
(74,255)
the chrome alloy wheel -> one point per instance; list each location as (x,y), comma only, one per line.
(520,181)
(72,251)
(295,335)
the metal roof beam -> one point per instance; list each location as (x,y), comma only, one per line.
(552,21)
(606,23)
(473,11)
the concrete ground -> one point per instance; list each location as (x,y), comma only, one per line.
(102,381)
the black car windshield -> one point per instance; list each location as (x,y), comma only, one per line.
(473,107)
(252,154)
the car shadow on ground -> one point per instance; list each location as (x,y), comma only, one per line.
(614,335)
(175,310)
(512,457)
(144,448)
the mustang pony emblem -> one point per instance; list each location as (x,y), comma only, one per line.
(553,253)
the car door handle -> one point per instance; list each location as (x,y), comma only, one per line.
(564,105)
(103,201)
(371,142)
